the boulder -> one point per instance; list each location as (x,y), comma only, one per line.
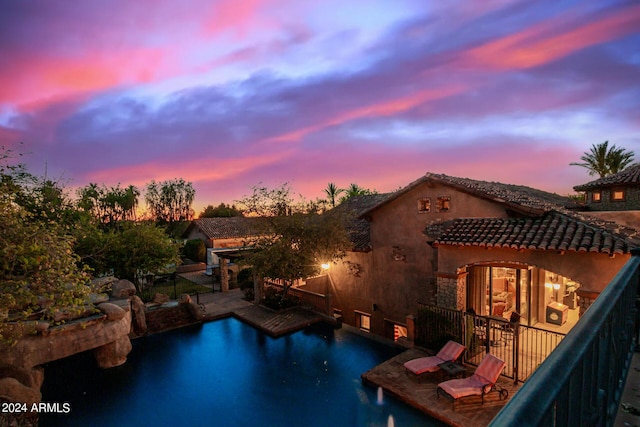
(112,311)
(122,289)
(66,315)
(185,299)
(12,390)
(30,377)
(160,298)
(139,318)
(98,298)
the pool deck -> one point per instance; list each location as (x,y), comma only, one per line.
(219,305)
(421,392)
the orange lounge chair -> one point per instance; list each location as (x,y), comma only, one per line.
(483,381)
(449,353)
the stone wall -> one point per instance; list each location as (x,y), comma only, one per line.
(169,316)
(450,295)
(631,201)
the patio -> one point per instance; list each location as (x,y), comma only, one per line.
(421,393)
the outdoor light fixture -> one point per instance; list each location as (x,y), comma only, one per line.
(325,266)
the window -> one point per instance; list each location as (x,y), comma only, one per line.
(363,321)
(444,204)
(424,205)
(596,197)
(617,194)
(399,331)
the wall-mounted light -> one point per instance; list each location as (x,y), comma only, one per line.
(325,266)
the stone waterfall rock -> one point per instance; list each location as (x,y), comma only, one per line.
(113,354)
(12,390)
(30,377)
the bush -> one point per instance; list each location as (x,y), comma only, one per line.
(275,299)
(245,283)
(195,250)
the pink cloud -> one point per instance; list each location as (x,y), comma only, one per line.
(548,41)
(380,109)
(199,170)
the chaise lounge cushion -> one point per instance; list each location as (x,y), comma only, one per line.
(485,375)
(450,352)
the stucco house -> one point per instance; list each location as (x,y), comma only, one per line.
(460,243)
(225,239)
(615,197)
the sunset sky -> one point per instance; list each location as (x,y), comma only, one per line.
(229,94)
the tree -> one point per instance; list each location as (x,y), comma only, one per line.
(109,205)
(332,192)
(604,160)
(355,190)
(195,250)
(140,249)
(39,273)
(170,201)
(220,211)
(268,202)
(297,246)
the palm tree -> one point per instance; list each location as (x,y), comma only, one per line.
(332,193)
(355,190)
(604,161)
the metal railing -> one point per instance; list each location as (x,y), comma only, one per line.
(581,382)
(523,348)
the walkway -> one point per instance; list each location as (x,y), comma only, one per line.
(232,303)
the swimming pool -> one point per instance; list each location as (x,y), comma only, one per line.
(226,373)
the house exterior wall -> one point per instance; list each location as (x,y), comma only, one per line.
(196,233)
(592,270)
(402,269)
(399,271)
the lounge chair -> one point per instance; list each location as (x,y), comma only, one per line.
(449,353)
(483,381)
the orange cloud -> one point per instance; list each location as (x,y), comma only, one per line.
(534,46)
(386,108)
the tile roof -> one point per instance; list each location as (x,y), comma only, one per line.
(228,227)
(629,176)
(524,201)
(551,231)
(517,196)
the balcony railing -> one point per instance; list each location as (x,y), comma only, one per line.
(523,348)
(581,381)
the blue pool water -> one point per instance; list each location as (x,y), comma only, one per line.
(226,373)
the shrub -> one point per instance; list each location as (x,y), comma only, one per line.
(195,250)
(275,299)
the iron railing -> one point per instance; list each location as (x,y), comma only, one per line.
(523,348)
(581,382)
